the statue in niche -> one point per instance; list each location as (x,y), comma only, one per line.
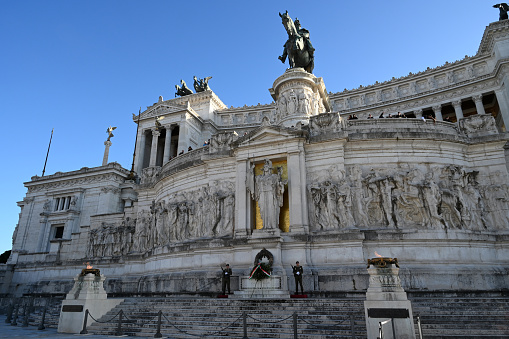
(503,8)
(298,47)
(182,90)
(268,192)
(201,85)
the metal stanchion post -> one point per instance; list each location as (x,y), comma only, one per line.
(119,325)
(244,324)
(352,325)
(294,325)
(84,329)
(158,334)
(14,320)
(41,325)
(419,326)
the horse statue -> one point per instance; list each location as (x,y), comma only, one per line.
(298,47)
(201,85)
(184,90)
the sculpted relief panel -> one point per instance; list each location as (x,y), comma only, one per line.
(449,197)
(207,212)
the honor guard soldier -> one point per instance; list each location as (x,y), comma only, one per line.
(227,272)
(297,273)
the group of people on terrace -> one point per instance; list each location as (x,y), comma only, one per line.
(399,115)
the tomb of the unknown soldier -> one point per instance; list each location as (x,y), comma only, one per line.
(381,211)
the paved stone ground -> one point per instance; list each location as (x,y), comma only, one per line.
(8,331)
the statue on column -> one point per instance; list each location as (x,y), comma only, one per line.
(110,132)
(268,191)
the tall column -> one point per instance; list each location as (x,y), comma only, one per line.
(437,109)
(140,152)
(418,113)
(457,109)
(296,188)
(478,104)
(107,145)
(167,144)
(242,201)
(503,103)
(183,141)
(153,150)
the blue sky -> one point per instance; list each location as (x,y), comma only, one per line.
(80,66)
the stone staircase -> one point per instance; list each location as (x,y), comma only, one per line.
(462,316)
(216,318)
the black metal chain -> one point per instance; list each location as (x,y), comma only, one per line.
(269,322)
(324,326)
(103,322)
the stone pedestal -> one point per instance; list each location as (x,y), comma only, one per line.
(298,96)
(270,288)
(88,293)
(387,303)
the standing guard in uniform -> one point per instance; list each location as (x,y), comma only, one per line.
(297,273)
(227,272)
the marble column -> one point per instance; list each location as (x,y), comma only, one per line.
(107,145)
(140,152)
(296,188)
(457,109)
(418,113)
(153,150)
(437,109)
(503,102)
(167,144)
(242,201)
(41,245)
(478,104)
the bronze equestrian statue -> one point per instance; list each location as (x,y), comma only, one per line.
(298,47)
(184,90)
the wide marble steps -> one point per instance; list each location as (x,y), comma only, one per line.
(216,318)
(462,317)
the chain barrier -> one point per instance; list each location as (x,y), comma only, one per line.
(331,327)
(159,314)
(104,322)
(269,322)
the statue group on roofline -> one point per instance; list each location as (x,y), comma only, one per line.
(298,47)
(200,85)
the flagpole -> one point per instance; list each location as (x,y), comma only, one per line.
(47,153)
(131,174)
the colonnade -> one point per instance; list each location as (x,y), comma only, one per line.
(437,109)
(148,157)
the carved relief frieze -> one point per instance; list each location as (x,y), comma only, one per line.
(150,175)
(206,212)
(448,197)
(222,141)
(478,125)
(324,123)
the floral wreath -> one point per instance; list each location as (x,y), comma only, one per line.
(262,270)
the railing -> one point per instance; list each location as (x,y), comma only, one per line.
(121,320)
